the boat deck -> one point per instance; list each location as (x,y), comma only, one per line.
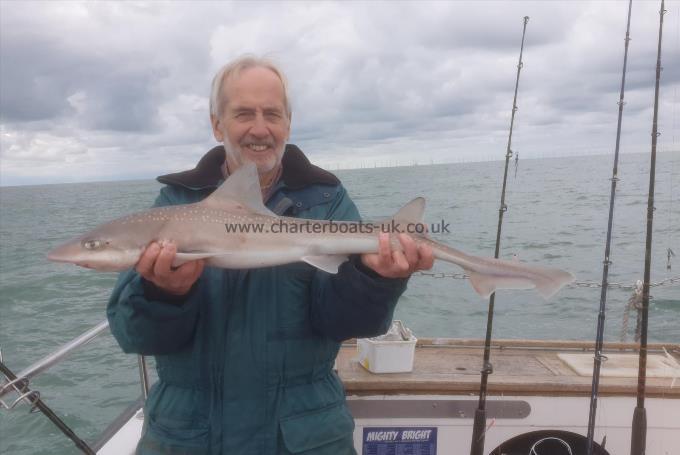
(521,367)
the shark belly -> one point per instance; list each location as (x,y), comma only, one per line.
(249,259)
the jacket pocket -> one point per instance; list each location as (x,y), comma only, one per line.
(175,435)
(328,430)
(175,421)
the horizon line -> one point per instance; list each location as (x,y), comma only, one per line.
(362,167)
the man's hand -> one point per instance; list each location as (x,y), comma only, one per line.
(155,265)
(398,264)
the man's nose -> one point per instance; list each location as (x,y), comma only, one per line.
(259,127)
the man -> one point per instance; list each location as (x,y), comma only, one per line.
(244,357)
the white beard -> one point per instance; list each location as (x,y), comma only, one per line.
(235,156)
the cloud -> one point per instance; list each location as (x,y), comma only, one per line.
(120,89)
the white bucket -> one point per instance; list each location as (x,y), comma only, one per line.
(379,355)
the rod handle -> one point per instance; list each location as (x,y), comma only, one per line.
(478,430)
(638,439)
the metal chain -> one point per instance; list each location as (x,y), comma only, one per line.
(578,284)
(634,302)
(629,287)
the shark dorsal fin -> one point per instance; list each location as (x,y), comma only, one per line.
(242,186)
(411,212)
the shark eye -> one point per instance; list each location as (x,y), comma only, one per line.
(93,244)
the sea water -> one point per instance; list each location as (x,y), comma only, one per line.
(557,216)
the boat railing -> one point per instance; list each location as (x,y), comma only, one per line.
(19,383)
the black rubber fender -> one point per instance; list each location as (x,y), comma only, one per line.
(547,442)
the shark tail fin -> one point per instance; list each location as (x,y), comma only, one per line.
(547,283)
(552,282)
(485,285)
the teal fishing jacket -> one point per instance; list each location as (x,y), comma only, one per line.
(245,359)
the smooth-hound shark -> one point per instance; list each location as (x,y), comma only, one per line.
(233,229)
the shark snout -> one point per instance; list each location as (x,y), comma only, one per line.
(67,252)
(95,254)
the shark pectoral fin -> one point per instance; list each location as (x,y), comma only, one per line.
(181,258)
(326,262)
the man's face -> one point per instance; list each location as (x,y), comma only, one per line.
(254,125)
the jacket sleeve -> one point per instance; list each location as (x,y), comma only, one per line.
(355,302)
(145,320)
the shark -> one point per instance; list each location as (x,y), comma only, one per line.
(233,229)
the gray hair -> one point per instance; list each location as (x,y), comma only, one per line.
(235,67)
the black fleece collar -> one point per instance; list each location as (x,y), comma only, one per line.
(297,172)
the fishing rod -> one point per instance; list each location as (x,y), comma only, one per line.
(479,428)
(35,400)
(599,339)
(639,428)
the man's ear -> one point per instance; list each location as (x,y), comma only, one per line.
(215,122)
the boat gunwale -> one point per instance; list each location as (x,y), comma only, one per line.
(556,382)
(525,343)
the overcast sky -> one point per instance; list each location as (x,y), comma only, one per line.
(115,90)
